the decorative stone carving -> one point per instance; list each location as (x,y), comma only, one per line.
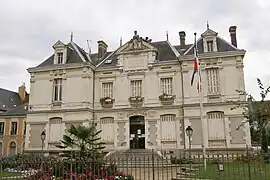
(136,113)
(107,102)
(136,101)
(167,99)
(121,115)
(152,113)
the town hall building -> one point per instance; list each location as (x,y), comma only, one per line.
(140,94)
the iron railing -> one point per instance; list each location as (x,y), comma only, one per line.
(148,165)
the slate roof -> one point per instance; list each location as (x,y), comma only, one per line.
(72,56)
(222,46)
(11,104)
(8,99)
(165,52)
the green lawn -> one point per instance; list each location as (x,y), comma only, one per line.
(236,171)
(9,174)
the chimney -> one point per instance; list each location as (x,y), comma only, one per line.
(182,35)
(102,49)
(22,92)
(232,31)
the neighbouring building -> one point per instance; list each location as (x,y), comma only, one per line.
(13,107)
(139,94)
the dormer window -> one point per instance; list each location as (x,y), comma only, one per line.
(60,58)
(210,46)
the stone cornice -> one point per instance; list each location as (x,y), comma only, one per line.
(12,116)
(60,111)
(60,67)
(215,55)
(209,104)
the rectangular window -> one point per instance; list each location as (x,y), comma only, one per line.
(213,80)
(24,130)
(60,58)
(209,46)
(168,130)
(57,90)
(216,129)
(2,128)
(166,85)
(14,127)
(107,90)
(136,88)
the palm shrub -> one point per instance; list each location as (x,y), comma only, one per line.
(82,147)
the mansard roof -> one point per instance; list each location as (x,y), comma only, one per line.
(75,54)
(165,51)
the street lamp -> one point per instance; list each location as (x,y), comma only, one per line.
(43,136)
(189,132)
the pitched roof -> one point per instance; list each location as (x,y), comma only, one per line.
(164,53)
(73,56)
(8,99)
(222,46)
(11,103)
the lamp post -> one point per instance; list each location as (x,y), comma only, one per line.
(42,136)
(189,132)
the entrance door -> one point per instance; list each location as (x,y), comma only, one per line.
(137,132)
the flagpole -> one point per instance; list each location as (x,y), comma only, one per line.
(201,109)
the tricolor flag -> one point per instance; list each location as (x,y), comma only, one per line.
(196,67)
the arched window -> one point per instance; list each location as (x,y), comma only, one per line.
(1,149)
(12,148)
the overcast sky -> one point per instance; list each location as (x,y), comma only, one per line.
(29,28)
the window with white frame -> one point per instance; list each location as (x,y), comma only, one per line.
(107,90)
(166,85)
(2,128)
(57,90)
(216,128)
(55,125)
(136,88)
(209,46)
(168,130)
(60,58)
(213,80)
(107,127)
(14,128)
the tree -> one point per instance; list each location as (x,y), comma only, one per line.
(82,143)
(257,114)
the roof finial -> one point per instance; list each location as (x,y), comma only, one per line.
(71,37)
(207,25)
(121,41)
(167,36)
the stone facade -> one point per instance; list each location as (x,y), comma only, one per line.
(143,79)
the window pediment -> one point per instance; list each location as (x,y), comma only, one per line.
(136,44)
(59,44)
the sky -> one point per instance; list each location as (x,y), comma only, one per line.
(29,28)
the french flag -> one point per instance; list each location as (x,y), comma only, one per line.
(196,67)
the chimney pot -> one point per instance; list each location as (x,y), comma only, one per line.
(102,48)
(232,31)
(182,35)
